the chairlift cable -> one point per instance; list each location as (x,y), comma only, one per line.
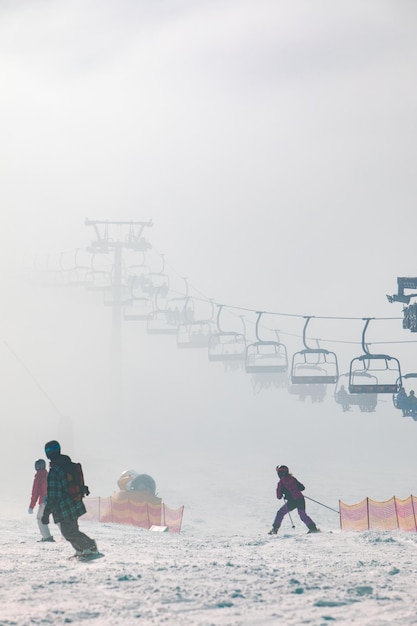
(203,298)
(27,370)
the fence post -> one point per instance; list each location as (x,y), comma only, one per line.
(414,512)
(396,512)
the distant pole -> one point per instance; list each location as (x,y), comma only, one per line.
(127,235)
(116,356)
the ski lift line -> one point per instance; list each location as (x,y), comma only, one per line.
(89,222)
(341,341)
(384,342)
(281,314)
(319,317)
(240,308)
(169,264)
(27,370)
(204,297)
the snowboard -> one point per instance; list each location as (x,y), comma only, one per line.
(90,557)
(84,559)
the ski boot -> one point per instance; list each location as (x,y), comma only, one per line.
(45,539)
(313,529)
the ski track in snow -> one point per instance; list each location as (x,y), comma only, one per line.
(204,580)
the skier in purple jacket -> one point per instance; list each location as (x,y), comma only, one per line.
(290,489)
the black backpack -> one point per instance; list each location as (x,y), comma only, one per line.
(75,478)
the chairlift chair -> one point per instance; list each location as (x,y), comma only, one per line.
(180,310)
(366,403)
(155,282)
(226,345)
(314,366)
(229,346)
(98,278)
(138,309)
(72,272)
(316,391)
(117,295)
(194,334)
(158,324)
(405,406)
(265,357)
(385,368)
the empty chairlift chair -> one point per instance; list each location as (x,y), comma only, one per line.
(226,346)
(266,361)
(384,372)
(314,366)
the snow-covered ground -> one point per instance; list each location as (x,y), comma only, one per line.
(223,568)
(212,573)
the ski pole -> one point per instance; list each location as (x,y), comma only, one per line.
(289,514)
(321,504)
(292,523)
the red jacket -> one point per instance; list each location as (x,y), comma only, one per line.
(39,488)
(289,488)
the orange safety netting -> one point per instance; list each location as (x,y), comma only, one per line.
(371,515)
(141,514)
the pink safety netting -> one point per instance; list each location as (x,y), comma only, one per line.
(393,514)
(141,514)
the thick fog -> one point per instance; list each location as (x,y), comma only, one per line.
(272,144)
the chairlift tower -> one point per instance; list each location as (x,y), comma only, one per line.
(114,237)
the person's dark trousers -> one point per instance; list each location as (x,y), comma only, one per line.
(71,532)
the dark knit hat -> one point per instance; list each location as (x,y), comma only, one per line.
(52,449)
(282,470)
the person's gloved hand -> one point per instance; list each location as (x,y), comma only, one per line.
(45,518)
(30,510)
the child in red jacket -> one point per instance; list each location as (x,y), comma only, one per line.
(39,490)
(290,489)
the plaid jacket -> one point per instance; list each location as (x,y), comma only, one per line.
(58,500)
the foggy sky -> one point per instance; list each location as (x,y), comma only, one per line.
(273,146)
